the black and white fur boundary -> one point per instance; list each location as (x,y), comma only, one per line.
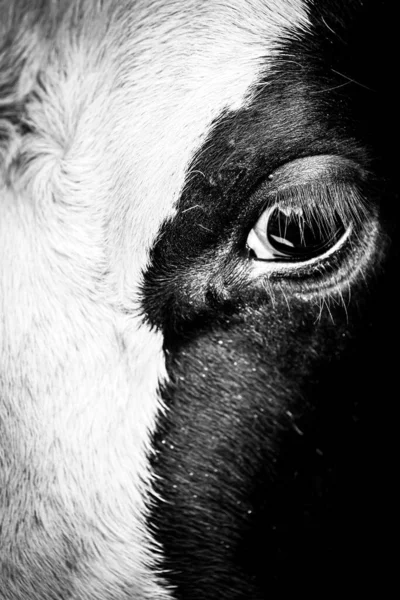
(178,419)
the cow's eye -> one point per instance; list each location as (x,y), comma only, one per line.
(316,221)
(289,235)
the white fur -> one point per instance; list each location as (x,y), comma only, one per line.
(117,96)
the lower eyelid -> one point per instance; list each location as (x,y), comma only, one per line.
(333,273)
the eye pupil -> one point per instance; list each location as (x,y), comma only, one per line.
(294,236)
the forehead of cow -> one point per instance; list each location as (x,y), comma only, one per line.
(146,104)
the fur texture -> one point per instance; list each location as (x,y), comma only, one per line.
(102,107)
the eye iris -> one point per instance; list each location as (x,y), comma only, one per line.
(294,236)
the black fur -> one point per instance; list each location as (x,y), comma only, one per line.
(274,457)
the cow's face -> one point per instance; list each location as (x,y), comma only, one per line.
(197,217)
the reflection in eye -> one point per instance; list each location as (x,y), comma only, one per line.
(292,234)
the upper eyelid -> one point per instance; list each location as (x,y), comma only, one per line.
(329,194)
(318,168)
